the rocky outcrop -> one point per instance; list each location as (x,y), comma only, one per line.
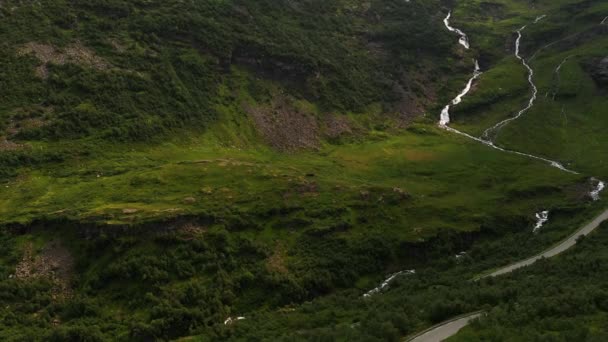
(53,262)
(49,54)
(284,126)
(599,72)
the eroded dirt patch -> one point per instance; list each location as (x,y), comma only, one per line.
(277,262)
(48,54)
(416,155)
(15,125)
(284,126)
(337,126)
(7,145)
(27,118)
(53,262)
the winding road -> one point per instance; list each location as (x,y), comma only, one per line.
(449,328)
(444,330)
(551,252)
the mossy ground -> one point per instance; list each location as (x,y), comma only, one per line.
(567,122)
(275,228)
(449,182)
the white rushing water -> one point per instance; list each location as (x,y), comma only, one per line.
(541,218)
(231,320)
(539,18)
(595,193)
(445,113)
(464,40)
(387,282)
(498,126)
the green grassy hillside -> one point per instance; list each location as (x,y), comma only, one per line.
(567,122)
(167,165)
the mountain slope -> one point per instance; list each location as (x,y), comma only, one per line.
(170,166)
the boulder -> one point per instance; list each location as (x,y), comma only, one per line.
(189,200)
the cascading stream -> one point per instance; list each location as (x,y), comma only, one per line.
(444,120)
(231,320)
(445,113)
(541,217)
(539,18)
(464,40)
(595,194)
(387,282)
(498,126)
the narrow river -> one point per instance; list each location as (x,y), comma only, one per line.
(494,129)
(541,217)
(451,327)
(386,283)
(445,119)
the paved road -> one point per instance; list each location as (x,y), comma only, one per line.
(449,328)
(563,246)
(445,329)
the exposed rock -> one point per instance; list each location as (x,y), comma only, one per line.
(117,45)
(189,200)
(7,145)
(20,120)
(402,194)
(130,211)
(17,126)
(277,261)
(337,126)
(284,126)
(408,107)
(56,322)
(53,262)
(207,190)
(190,231)
(75,53)
(599,72)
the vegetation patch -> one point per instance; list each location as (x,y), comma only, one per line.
(75,53)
